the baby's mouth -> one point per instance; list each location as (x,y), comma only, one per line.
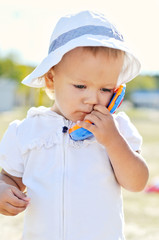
(85,113)
(88,112)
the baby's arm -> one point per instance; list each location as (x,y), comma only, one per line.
(129,167)
(12,198)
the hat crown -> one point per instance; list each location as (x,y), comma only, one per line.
(84,18)
(83,23)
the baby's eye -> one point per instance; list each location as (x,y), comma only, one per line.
(106,90)
(80,86)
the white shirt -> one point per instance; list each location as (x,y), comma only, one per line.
(73,190)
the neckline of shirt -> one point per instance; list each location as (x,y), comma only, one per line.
(44,111)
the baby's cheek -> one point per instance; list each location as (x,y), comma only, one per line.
(106,100)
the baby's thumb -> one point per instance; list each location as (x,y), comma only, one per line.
(19,194)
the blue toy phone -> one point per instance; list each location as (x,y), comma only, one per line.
(78,133)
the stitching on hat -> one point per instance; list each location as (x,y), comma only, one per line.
(89,29)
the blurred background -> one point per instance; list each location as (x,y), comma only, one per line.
(25,30)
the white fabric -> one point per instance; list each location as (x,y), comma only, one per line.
(74,194)
(131,66)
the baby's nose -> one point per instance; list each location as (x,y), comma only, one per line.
(92,98)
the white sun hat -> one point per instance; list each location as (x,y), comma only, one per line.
(85,28)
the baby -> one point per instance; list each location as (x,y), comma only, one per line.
(74,187)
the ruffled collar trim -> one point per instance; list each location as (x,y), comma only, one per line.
(49,139)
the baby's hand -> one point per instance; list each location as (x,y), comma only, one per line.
(12,200)
(103,127)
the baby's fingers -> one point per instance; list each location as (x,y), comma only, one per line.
(101,109)
(17,198)
(87,125)
(11,210)
(20,195)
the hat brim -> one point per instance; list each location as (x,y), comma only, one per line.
(130,70)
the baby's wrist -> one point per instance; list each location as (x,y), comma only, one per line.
(113,142)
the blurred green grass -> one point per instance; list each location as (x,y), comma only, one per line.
(9,116)
(141,209)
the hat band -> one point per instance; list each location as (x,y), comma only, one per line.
(84,30)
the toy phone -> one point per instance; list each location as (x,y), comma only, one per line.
(78,133)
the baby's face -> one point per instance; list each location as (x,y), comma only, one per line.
(82,80)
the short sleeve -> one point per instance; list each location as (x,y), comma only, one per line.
(10,155)
(129,131)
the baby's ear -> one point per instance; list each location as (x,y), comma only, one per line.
(49,79)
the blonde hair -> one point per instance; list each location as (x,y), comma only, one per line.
(49,93)
(109,51)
